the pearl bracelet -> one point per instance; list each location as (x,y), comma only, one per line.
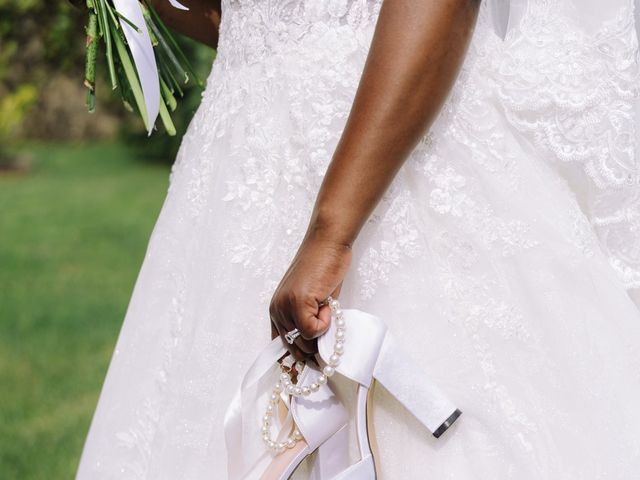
(286,385)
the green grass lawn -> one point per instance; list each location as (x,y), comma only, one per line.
(73,233)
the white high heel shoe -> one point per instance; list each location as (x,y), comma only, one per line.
(370,352)
(314,416)
(316,420)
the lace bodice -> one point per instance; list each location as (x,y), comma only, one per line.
(273,32)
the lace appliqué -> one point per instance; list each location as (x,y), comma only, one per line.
(281,76)
(575,94)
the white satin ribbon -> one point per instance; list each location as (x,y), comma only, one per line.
(246,454)
(178,5)
(637,10)
(364,339)
(143,55)
(506,14)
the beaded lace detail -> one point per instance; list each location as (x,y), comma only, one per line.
(576,96)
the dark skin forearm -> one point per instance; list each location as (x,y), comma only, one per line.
(415,55)
(414,59)
(201,22)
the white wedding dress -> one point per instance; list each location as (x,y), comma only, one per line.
(505,257)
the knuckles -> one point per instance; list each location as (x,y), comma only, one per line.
(273,309)
(309,331)
(295,304)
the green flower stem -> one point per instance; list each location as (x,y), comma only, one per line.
(166,50)
(166,120)
(92,52)
(164,68)
(166,34)
(169,99)
(127,21)
(106,34)
(105,23)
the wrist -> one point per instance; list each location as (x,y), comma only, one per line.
(328,226)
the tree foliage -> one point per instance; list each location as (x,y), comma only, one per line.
(42,48)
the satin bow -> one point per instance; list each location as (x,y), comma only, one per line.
(246,454)
(143,56)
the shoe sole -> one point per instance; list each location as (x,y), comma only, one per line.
(371,432)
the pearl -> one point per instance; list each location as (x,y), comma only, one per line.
(328,370)
(286,384)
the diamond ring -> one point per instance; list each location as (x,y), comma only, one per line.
(291,336)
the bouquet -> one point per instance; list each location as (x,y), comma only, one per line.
(144,61)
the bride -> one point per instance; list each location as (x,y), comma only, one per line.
(468,172)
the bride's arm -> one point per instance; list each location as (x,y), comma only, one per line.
(416,51)
(200,22)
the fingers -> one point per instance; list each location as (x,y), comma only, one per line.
(311,324)
(316,272)
(309,316)
(283,322)
(315,321)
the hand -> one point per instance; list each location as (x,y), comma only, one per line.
(316,272)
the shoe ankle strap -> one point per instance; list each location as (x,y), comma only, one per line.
(362,345)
